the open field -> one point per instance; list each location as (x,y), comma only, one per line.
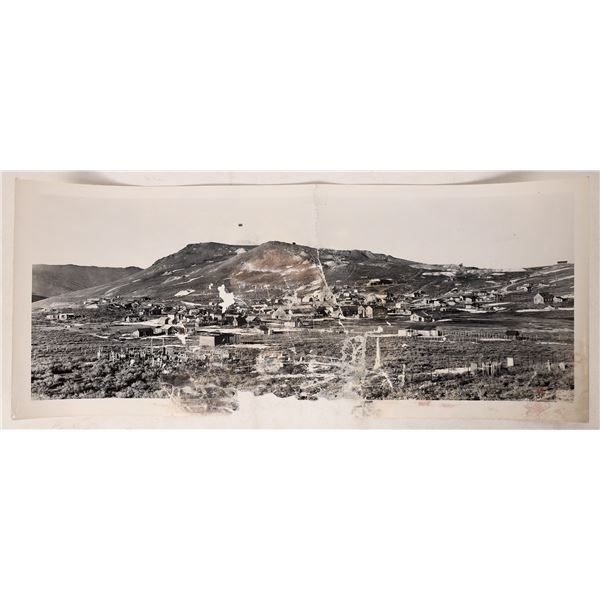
(91,358)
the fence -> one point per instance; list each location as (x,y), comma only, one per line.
(488,335)
(483,368)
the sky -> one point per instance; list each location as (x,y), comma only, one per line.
(496,232)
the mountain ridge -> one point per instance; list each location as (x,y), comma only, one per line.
(54,280)
(276,268)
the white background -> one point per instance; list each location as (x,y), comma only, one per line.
(310,85)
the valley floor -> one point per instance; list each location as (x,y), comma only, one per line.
(363,359)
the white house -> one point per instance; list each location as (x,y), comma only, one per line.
(281,314)
(420,317)
(65,316)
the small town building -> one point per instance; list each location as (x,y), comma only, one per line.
(143,332)
(422,331)
(218,339)
(428,331)
(281,314)
(350,311)
(375,312)
(420,317)
(306,323)
(234,320)
(65,316)
(543,298)
(408,332)
(173,329)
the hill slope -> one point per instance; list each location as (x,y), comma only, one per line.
(54,280)
(278,268)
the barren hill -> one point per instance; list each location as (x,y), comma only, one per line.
(279,268)
(53,280)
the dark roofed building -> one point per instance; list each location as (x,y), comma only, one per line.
(375,312)
(350,310)
(217,339)
(543,298)
(143,332)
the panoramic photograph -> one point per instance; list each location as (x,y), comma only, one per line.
(343,298)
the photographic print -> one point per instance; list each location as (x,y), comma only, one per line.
(372,298)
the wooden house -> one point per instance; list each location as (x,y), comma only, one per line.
(543,298)
(420,317)
(218,339)
(375,312)
(143,332)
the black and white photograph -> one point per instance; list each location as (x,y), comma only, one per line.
(343,303)
(300,300)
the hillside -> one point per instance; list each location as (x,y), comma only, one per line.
(54,280)
(278,268)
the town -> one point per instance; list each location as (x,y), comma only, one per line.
(142,317)
(368,342)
